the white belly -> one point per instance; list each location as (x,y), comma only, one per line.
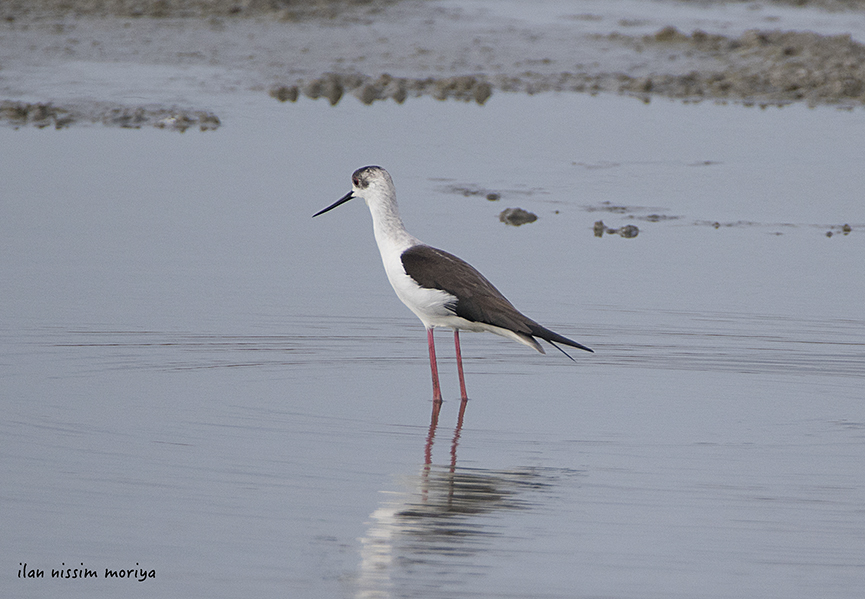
(427,304)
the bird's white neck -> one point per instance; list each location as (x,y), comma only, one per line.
(390,233)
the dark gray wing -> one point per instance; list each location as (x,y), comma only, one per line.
(477,299)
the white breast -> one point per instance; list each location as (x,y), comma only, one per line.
(427,304)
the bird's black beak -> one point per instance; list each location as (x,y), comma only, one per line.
(343,200)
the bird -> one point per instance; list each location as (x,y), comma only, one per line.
(441,289)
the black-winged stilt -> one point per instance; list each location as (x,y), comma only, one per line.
(441,289)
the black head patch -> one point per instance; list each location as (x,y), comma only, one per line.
(363,176)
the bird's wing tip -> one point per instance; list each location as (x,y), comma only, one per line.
(561,350)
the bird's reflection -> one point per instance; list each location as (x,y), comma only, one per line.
(427,534)
(434,421)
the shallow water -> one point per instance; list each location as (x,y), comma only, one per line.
(201,380)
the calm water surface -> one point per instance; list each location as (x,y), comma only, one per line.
(200,380)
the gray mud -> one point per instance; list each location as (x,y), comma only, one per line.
(287,10)
(626,231)
(332,86)
(762,66)
(277,9)
(517,216)
(392,50)
(18,114)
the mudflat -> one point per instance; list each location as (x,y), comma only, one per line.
(135,64)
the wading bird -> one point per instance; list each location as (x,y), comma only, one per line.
(441,289)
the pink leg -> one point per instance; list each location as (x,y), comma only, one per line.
(433,423)
(437,391)
(460,364)
(457,433)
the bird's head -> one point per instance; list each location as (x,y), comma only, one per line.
(372,183)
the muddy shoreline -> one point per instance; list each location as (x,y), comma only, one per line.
(277,9)
(393,50)
(762,67)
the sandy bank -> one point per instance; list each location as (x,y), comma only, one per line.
(63,62)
